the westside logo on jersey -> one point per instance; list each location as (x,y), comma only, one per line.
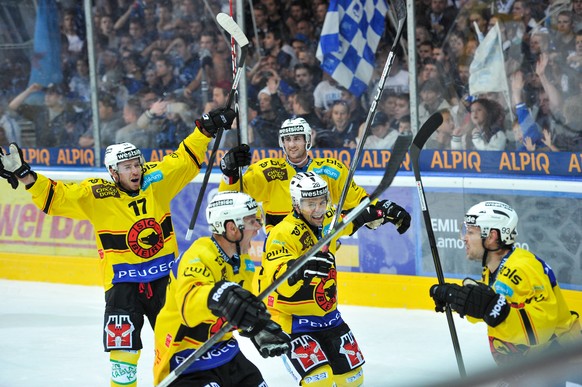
(119,329)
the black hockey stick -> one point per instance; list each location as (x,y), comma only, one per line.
(398,153)
(400,8)
(427,129)
(234,30)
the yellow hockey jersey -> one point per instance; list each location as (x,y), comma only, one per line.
(185,322)
(134,234)
(302,307)
(539,313)
(267,181)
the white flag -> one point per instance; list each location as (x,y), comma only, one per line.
(487,70)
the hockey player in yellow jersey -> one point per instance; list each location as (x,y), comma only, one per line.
(211,283)
(133,228)
(518,296)
(324,349)
(267,180)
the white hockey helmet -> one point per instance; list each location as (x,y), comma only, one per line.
(305,185)
(494,215)
(230,205)
(116,153)
(293,126)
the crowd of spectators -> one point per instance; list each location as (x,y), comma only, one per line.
(161,63)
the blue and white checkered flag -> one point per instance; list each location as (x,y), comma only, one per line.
(349,38)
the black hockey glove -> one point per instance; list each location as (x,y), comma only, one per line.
(239,306)
(6,174)
(13,161)
(383,212)
(239,156)
(473,299)
(317,266)
(215,120)
(271,341)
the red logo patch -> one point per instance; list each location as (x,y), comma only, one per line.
(145,238)
(307,352)
(351,350)
(119,331)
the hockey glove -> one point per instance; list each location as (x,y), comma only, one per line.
(317,266)
(13,161)
(271,341)
(239,156)
(473,299)
(239,306)
(6,174)
(215,120)
(381,213)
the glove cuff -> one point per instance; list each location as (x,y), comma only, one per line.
(202,128)
(365,217)
(23,171)
(217,296)
(496,311)
(255,329)
(230,180)
(230,172)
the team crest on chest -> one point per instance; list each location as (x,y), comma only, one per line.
(145,238)
(326,291)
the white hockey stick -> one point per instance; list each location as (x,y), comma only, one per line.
(398,153)
(235,31)
(400,8)
(424,133)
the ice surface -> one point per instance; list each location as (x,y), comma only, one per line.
(50,335)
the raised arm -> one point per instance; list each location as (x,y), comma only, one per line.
(553,93)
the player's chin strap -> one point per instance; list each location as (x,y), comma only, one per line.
(486,250)
(235,259)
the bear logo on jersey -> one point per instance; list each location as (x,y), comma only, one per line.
(119,329)
(326,291)
(145,238)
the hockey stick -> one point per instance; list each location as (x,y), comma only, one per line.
(400,8)
(237,95)
(234,30)
(392,167)
(427,129)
